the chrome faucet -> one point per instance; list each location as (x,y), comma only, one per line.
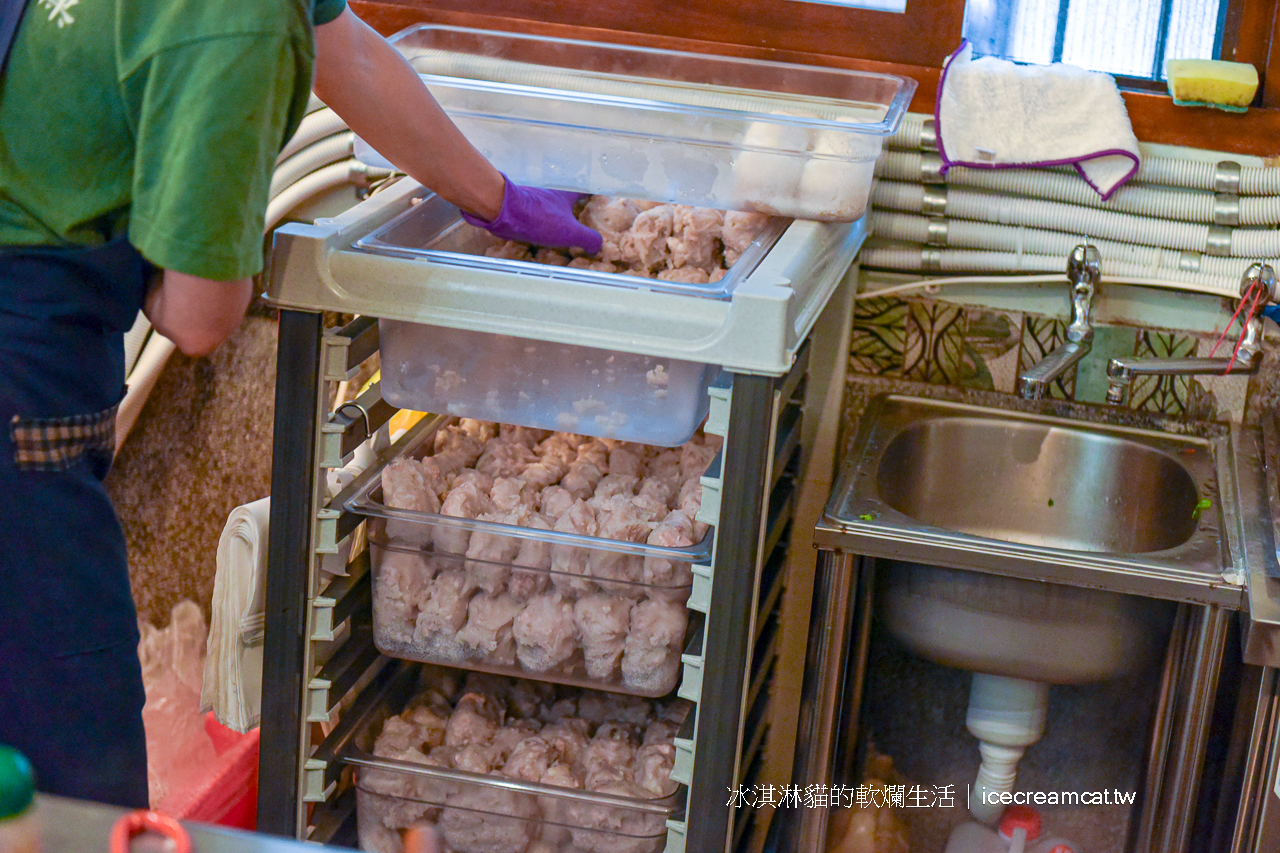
(1246,358)
(1084,269)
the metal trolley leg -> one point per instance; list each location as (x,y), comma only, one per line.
(294,473)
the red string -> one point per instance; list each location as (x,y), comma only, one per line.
(1239,308)
(1244,325)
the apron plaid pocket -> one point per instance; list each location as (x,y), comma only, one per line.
(55,444)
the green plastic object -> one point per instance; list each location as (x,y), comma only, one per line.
(17,783)
(1227,107)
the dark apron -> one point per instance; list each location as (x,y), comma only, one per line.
(71,692)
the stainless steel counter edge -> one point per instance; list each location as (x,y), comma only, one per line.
(757,330)
(1260,623)
(78,826)
(885,538)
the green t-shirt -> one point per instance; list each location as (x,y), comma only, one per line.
(161,119)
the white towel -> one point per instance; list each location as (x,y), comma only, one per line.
(995,114)
(233,665)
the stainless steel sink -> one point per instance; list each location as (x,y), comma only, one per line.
(1031,495)
(1041,483)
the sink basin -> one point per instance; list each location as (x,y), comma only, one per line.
(1041,483)
(1039,496)
(1019,628)
(1027,545)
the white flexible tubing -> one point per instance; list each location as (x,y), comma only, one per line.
(966,234)
(910,131)
(320,181)
(948,260)
(1169,171)
(135,339)
(1189,205)
(969,204)
(291,170)
(932,285)
(142,379)
(1192,206)
(311,129)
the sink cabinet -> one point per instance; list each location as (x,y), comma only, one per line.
(1209,735)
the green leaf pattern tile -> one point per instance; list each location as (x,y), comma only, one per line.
(935,350)
(992,338)
(1041,336)
(878,336)
(934,342)
(1168,395)
(927,341)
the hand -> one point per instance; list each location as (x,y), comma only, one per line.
(541,217)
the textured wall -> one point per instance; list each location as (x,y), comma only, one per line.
(201,447)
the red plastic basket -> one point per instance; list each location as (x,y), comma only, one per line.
(227,794)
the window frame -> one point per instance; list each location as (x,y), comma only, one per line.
(913,43)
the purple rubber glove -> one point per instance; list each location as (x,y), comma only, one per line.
(541,217)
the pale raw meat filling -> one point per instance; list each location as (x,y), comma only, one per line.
(553,607)
(536,733)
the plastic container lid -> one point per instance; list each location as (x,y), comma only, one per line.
(17,782)
(1020,817)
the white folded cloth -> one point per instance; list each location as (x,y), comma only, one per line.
(992,113)
(233,663)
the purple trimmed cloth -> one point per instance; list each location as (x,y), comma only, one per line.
(996,114)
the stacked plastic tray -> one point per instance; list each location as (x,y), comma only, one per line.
(549,606)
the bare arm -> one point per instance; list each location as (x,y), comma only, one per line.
(366,81)
(197,313)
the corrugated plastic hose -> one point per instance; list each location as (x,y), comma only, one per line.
(966,234)
(292,169)
(1056,216)
(316,126)
(960,260)
(350,171)
(1189,205)
(1166,171)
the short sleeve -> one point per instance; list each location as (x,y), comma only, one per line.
(326,10)
(212,116)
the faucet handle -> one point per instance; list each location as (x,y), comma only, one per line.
(1084,265)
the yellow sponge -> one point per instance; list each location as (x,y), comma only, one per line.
(1212,83)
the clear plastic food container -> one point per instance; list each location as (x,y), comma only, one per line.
(641,398)
(433,230)
(709,131)
(490,812)
(527,602)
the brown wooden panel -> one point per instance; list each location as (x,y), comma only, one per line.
(923,35)
(1154,116)
(1249,38)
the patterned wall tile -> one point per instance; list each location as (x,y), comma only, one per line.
(1041,336)
(878,336)
(1169,395)
(970,347)
(993,338)
(935,350)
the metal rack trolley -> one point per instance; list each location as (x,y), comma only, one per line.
(318,651)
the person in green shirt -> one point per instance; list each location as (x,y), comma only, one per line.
(137,142)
